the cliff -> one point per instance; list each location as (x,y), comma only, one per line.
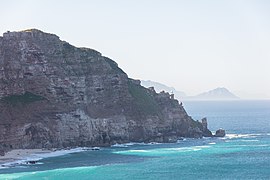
(53,94)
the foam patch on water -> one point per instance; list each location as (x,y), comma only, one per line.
(250,140)
(120,145)
(233,136)
(251,145)
(161,151)
(125,145)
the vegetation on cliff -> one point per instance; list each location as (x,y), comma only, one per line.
(25,98)
(144,101)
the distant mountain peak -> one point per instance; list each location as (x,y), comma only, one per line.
(161,87)
(220,93)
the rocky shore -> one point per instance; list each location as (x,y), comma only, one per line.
(20,154)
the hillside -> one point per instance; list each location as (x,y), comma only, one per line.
(56,95)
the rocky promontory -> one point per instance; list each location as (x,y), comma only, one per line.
(53,94)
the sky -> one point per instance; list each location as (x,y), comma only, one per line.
(192,45)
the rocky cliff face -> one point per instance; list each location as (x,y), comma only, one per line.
(53,94)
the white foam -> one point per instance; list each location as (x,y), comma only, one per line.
(153,143)
(119,145)
(163,151)
(184,149)
(251,140)
(232,136)
(246,145)
(134,143)
(3,167)
(212,143)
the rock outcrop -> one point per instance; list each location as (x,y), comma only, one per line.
(220,133)
(56,95)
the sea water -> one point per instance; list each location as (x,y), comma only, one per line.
(243,154)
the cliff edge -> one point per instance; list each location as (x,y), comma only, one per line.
(53,94)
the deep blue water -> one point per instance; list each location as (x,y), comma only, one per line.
(243,154)
(234,116)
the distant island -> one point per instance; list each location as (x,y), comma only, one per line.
(220,93)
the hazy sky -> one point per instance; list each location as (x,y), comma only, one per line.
(192,45)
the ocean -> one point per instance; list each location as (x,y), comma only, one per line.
(243,154)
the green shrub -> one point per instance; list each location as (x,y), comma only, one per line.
(25,98)
(195,124)
(144,101)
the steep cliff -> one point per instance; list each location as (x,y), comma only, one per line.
(53,94)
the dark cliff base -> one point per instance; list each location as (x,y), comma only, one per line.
(56,95)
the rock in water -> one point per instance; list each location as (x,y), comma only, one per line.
(206,131)
(55,95)
(31,162)
(220,133)
(95,148)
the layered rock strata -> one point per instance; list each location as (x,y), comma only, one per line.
(56,95)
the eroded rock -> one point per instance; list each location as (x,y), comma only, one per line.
(55,95)
(220,133)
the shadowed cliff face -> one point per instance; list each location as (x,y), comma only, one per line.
(56,95)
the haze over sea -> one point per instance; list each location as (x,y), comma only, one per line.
(243,154)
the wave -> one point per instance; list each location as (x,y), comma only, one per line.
(251,140)
(161,151)
(119,145)
(125,145)
(61,173)
(233,136)
(251,145)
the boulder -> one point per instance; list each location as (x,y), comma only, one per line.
(220,133)
(31,162)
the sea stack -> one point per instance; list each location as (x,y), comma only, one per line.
(220,133)
(55,95)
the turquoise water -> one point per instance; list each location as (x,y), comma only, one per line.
(243,154)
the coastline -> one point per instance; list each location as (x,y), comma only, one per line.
(92,165)
(16,155)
